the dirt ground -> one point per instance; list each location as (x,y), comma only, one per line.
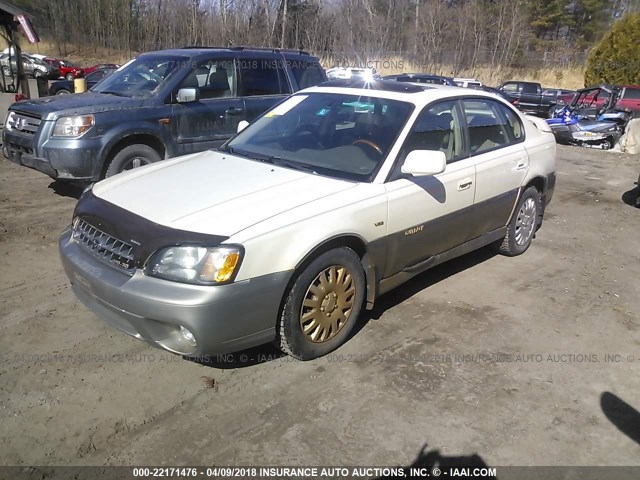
(520,361)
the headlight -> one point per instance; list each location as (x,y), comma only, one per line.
(8,123)
(197,265)
(73,127)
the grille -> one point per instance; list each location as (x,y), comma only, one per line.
(23,123)
(103,246)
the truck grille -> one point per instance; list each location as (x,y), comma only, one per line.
(103,246)
(23,123)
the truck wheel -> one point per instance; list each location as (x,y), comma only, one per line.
(523,225)
(130,157)
(323,305)
(69,76)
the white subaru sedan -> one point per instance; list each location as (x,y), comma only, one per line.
(327,201)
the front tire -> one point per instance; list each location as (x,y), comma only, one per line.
(323,305)
(131,157)
(523,225)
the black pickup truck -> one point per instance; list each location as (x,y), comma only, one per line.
(528,97)
(160,105)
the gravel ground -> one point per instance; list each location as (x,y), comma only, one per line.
(508,361)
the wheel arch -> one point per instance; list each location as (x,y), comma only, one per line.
(352,241)
(539,182)
(143,138)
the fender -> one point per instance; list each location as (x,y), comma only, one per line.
(122,131)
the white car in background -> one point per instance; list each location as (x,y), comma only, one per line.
(467,82)
(347,73)
(330,199)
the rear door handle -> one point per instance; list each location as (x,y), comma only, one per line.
(522,164)
(465,184)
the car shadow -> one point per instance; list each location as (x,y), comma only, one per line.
(622,415)
(437,465)
(269,352)
(631,197)
(66,189)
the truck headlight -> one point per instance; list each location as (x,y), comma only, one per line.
(73,127)
(196,265)
(9,121)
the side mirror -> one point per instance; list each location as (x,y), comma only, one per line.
(242,125)
(188,95)
(421,163)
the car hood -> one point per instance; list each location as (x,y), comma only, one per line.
(76,104)
(214,193)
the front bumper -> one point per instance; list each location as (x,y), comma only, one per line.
(222,319)
(61,159)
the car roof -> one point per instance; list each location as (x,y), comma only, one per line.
(419,94)
(195,51)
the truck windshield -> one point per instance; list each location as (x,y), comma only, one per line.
(141,77)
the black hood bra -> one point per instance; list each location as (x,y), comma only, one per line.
(145,236)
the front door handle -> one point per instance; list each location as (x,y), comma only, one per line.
(233,111)
(465,184)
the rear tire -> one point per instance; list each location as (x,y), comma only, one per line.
(63,92)
(69,77)
(523,225)
(130,157)
(37,74)
(323,305)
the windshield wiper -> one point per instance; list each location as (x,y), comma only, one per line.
(272,159)
(280,162)
(117,94)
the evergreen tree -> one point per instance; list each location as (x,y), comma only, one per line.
(616,59)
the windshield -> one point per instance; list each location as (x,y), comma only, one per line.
(141,77)
(345,136)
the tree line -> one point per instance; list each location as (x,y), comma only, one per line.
(461,34)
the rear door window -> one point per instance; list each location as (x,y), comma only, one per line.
(264,76)
(487,125)
(529,88)
(632,93)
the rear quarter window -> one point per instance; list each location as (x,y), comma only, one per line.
(306,73)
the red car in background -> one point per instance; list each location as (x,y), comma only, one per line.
(67,70)
(629,98)
(110,66)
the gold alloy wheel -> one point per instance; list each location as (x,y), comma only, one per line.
(328,304)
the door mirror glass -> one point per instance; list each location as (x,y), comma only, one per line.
(242,125)
(187,95)
(422,163)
